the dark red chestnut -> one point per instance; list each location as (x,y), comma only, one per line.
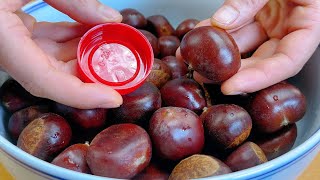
(45,136)
(168,45)
(160,26)
(279,143)
(21,118)
(199,166)
(277,106)
(153,40)
(247,155)
(160,73)
(74,158)
(14,97)
(185,93)
(120,151)
(211,52)
(84,118)
(176,133)
(178,68)
(153,171)
(133,18)
(226,125)
(185,26)
(138,106)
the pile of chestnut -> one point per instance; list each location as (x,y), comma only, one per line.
(172,127)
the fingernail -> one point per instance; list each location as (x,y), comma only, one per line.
(235,93)
(226,15)
(110,14)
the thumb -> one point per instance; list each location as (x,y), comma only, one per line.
(236,13)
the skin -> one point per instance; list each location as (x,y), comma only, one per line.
(42,56)
(285,33)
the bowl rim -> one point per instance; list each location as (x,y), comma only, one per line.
(48,170)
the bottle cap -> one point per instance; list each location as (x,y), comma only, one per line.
(115,54)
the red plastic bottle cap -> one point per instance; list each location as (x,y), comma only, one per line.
(115,54)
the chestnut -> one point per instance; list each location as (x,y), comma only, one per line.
(73,158)
(185,93)
(14,97)
(160,26)
(211,52)
(138,106)
(227,125)
(160,73)
(176,133)
(153,171)
(279,143)
(185,26)
(276,107)
(247,155)
(45,136)
(168,45)
(133,18)
(84,119)
(153,40)
(120,151)
(199,166)
(178,68)
(21,118)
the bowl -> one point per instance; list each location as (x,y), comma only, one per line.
(289,166)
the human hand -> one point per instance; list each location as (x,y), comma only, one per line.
(285,33)
(42,56)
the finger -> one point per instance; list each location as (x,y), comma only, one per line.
(61,51)
(262,75)
(267,49)
(249,37)
(235,13)
(60,31)
(27,20)
(86,11)
(12,5)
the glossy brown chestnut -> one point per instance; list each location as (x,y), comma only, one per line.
(185,26)
(199,166)
(279,143)
(45,136)
(176,133)
(83,118)
(160,73)
(74,158)
(247,155)
(14,97)
(160,26)
(185,93)
(178,68)
(153,40)
(133,18)
(21,118)
(211,52)
(120,151)
(228,125)
(168,45)
(153,171)
(138,106)
(277,106)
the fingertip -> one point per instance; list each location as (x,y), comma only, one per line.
(110,15)
(205,22)
(110,98)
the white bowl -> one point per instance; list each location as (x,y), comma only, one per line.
(289,166)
